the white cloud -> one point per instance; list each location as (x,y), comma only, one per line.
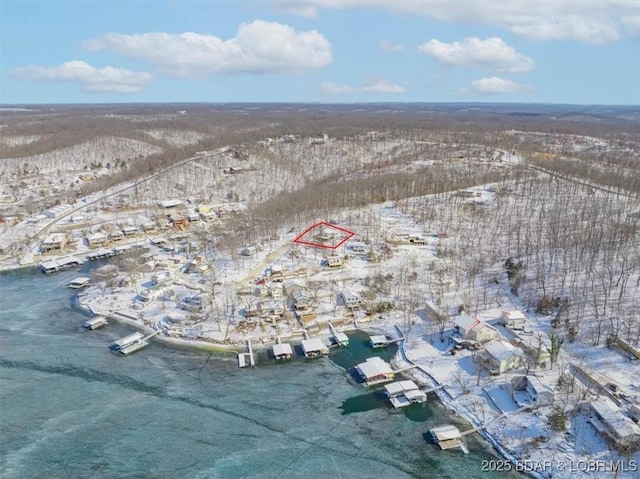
(492,54)
(90,78)
(390,47)
(259,47)
(372,86)
(589,21)
(493,86)
(299,9)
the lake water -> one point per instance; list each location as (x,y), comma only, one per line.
(71,409)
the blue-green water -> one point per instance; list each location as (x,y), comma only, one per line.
(71,409)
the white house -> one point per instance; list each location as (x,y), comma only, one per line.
(499,357)
(350,299)
(531,392)
(609,421)
(163,276)
(473,329)
(514,319)
(54,242)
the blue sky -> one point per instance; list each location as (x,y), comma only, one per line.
(328,51)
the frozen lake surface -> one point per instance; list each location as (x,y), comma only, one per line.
(71,409)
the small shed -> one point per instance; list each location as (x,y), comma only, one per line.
(514,319)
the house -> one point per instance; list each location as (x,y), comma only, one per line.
(130,230)
(116,235)
(335,261)
(529,391)
(358,248)
(56,211)
(290,286)
(498,357)
(162,277)
(302,301)
(167,204)
(416,238)
(193,217)
(514,319)
(374,371)
(473,329)
(276,271)
(178,221)
(350,299)
(97,240)
(271,309)
(615,426)
(55,242)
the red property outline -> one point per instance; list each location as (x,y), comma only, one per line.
(350,234)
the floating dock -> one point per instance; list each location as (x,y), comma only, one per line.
(404,393)
(314,347)
(246,359)
(378,341)
(448,437)
(282,351)
(375,371)
(341,339)
(60,264)
(132,343)
(95,323)
(79,283)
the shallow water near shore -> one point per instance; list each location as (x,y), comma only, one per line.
(71,409)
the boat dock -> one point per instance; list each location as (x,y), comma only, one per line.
(95,323)
(341,339)
(448,437)
(60,264)
(79,283)
(282,351)
(404,393)
(247,359)
(381,341)
(131,343)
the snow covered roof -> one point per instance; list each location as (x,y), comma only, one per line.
(282,349)
(445,433)
(374,367)
(315,344)
(618,423)
(500,350)
(400,387)
(467,323)
(513,314)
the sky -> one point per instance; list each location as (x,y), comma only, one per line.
(320,51)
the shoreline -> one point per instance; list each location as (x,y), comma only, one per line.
(419,374)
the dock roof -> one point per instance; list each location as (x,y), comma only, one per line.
(400,387)
(374,367)
(282,349)
(122,342)
(315,344)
